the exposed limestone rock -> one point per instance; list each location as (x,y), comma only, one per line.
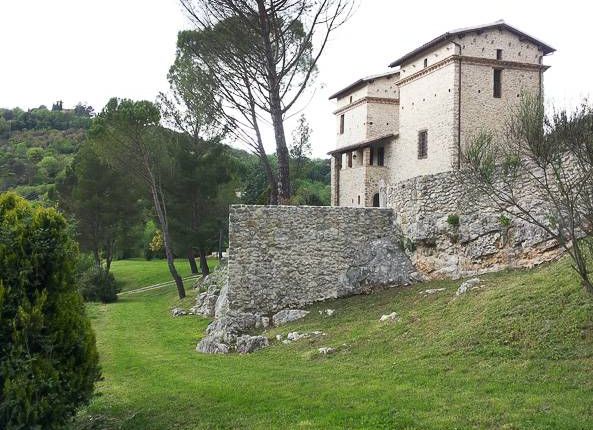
(390,317)
(326,350)
(209,345)
(467,285)
(178,312)
(381,262)
(288,315)
(483,241)
(262,322)
(432,291)
(214,283)
(247,344)
(294,336)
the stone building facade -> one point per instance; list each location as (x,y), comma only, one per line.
(415,120)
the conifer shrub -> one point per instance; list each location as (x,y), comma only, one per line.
(98,285)
(48,357)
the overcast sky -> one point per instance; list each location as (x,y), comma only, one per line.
(91,50)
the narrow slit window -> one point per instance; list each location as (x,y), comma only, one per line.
(425,63)
(499,54)
(342,124)
(422,144)
(350,159)
(381,156)
(371,155)
(497,83)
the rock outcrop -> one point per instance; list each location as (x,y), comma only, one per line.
(288,315)
(214,283)
(247,344)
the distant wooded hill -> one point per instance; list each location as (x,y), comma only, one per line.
(38,145)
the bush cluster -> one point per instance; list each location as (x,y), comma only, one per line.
(98,285)
(48,356)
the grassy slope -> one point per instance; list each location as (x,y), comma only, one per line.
(518,354)
(137,272)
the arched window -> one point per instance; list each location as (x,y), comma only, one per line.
(376,201)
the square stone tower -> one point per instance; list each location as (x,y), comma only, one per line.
(416,120)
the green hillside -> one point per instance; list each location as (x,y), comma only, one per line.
(516,354)
(38,145)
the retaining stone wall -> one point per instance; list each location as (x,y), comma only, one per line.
(288,257)
(482,241)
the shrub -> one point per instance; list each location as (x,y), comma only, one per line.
(453,220)
(48,357)
(98,285)
(504,221)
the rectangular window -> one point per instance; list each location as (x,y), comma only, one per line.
(380,156)
(371,155)
(422,144)
(350,159)
(425,63)
(499,54)
(497,83)
(342,124)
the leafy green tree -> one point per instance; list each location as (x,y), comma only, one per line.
(199,203)
(48,357)
(35,155)
(101,200)
(128,137)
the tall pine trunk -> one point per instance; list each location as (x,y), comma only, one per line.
(109,256)
(261,151)
(192,261)
(276,111)
(220,242)
(167,240)
(282,154)
(204,263)
(273,200)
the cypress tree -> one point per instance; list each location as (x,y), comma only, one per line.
(48,356)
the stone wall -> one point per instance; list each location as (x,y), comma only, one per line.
(485,239)
(287,257)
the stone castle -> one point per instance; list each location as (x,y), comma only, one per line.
(416,119)
(400,213)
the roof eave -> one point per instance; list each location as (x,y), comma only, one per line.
(546,49)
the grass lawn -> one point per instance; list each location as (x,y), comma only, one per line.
(138,272)
(515,355)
